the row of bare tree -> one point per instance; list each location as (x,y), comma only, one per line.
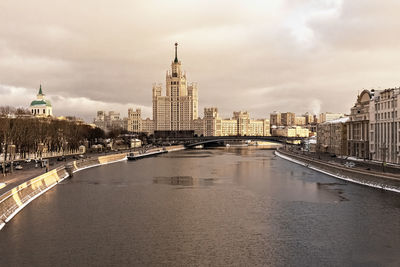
(29,134)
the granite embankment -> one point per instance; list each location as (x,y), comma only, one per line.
(370,178)
(17,198)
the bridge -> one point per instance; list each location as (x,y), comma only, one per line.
(221,140)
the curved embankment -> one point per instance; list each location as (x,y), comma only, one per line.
(369,178)
(17,198)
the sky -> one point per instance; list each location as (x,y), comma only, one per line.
(255,55)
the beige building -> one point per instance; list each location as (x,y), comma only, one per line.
(309,118)
(148,126)
(239,125)
(332,137)
(199,127)
(179,107)
(288,119)
(110,120)
(212,122)
(329,116)
(275,119)
(300,121)
(384,125)
(296,131)
(134,120)
(358,127)
(242,119)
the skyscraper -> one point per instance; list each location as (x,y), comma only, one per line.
(179,107)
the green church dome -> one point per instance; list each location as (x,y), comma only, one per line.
(41,103)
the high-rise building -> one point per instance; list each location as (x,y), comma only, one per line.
(288,119)
(243,122)
(135,120)
(275,119)
(309,118)
(179,107)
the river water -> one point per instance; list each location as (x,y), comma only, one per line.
(218,207)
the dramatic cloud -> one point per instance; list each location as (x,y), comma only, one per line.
(253,55)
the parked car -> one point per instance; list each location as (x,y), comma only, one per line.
(61,158)
(18,167)
(349,164)
(28,160)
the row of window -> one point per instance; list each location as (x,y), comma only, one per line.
(37,111)
(386,115)
(385,105)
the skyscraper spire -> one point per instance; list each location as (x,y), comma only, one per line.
(176,53)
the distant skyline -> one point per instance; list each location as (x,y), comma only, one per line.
(258,56)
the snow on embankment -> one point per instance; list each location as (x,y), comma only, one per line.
(357,176)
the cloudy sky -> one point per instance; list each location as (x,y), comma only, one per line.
(260,56)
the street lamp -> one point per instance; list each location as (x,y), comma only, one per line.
(3,148)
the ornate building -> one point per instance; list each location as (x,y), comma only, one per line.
(358,127)
(178,109)
(384,125)
(41,107)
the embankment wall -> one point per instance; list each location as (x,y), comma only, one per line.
(364,177)
(17,198)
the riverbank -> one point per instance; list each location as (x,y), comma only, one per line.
(381,180)
(18,197)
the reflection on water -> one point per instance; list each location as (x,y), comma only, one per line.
(234,207)
(184,181)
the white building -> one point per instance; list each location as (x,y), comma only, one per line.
(41,107)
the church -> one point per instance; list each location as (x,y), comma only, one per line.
(41,107)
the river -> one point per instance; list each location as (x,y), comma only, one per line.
(218,207)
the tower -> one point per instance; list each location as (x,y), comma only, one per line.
(179,107)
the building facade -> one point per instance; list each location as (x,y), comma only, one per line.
(109,121)
(239,125)
(275,119)
(178,109)
(135,120)
(41,107)
(384,125)
(148,126)
(358,127)
(288,119)
(329,116)
(332,137)
(294,131)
